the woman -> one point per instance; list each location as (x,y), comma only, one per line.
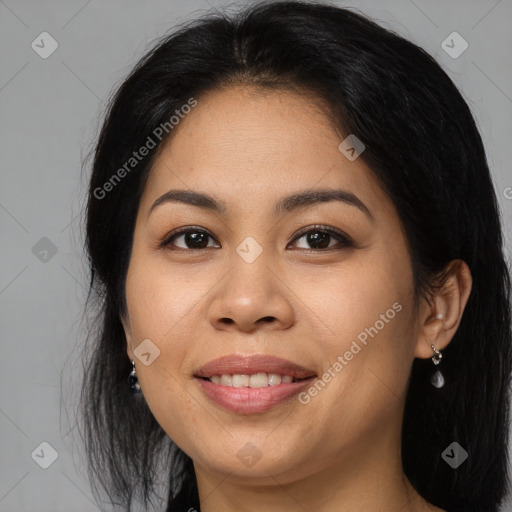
(297,261)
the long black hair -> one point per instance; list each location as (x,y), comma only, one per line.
(423,146)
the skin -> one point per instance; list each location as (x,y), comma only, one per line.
(249,148)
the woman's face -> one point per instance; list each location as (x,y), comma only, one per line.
(263,275)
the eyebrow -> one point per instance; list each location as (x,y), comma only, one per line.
(295,201)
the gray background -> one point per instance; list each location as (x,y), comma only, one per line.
(50,111)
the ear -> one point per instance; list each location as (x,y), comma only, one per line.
(128,335)
(440,320)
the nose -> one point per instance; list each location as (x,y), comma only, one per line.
(251,297)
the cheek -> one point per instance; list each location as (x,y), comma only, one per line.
(156,303)
(362,300)
(158,297)
(368,310)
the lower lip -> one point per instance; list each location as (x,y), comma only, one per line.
(251,400)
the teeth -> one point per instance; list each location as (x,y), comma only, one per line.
(240,381)
(225,380)
(257,380)
(274,379)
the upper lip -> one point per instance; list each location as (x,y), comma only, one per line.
(251,364)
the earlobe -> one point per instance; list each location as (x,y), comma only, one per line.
(440,320)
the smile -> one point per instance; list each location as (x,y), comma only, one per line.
(244,399)
(257,380)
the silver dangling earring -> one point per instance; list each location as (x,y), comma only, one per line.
(437,379)
(133,381)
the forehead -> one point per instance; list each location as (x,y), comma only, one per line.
(247,144)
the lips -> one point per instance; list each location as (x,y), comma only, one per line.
(287,379)
(253,364)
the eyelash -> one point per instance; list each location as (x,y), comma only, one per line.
(344,240)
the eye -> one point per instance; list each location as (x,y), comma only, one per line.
(318,238)
(190,238)
(321,237)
